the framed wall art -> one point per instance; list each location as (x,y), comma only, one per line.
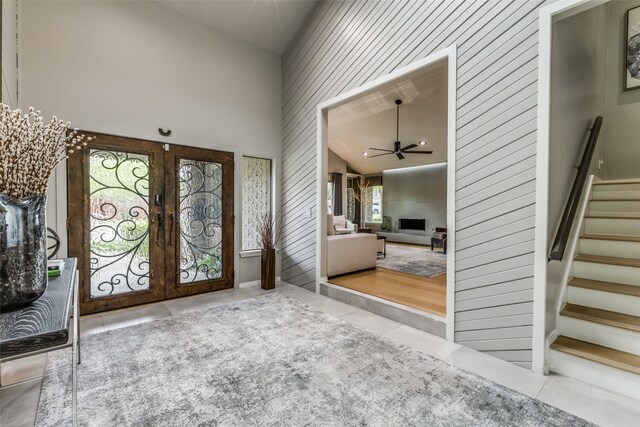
(632,41)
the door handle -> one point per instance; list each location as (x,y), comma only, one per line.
(159,230)
(171,226)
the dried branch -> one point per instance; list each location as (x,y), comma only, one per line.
(30,150)
(270,229)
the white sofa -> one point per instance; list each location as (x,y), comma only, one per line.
(348,253)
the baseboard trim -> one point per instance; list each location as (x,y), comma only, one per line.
(255,283)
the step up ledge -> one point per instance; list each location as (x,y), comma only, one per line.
(597,374)
(596,333)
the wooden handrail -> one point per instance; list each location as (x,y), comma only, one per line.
(568,216)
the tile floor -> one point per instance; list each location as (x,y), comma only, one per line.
(22,379)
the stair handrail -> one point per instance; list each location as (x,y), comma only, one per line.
(568,216)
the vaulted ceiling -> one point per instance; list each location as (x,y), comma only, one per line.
(370,122)
(269,24)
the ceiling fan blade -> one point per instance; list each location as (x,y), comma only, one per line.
(378,155)
(400,156)
(382,149)
(418,152)
(409,147)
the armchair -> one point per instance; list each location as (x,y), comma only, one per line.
(439,239)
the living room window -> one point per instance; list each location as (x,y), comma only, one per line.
(373,208)
(256,198)
(330,195)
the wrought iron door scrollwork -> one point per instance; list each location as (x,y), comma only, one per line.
(200,220)
(119,222)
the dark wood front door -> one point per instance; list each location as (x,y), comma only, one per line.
(147,224)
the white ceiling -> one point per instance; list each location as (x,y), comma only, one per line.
(268,24)
(370,121)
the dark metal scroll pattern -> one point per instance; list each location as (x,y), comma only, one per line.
(200,220)
(119,222)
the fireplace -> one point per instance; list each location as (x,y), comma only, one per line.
(412,224)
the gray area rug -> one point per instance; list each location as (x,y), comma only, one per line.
(273,361)
(413,259)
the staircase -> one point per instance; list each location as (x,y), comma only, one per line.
(599,326)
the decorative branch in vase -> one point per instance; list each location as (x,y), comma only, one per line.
(363,196)
(269,232)
(30,150)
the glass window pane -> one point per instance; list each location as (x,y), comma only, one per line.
(373,202)
(256,198)
(118,222)
(200,220)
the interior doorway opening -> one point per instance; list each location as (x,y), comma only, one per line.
(386,154)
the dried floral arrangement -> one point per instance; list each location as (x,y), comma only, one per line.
(30,150)
(269,230)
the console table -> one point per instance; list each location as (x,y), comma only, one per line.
(45,324)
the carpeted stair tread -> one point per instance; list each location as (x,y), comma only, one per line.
(596,353)
(597,285)
(603,317)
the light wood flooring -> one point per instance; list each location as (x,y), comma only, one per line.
(424,293)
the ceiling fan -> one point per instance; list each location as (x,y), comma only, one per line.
(398,150)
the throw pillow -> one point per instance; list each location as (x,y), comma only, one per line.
(340,221)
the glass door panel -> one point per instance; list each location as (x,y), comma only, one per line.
(200,220)
(200,216)
(118,222)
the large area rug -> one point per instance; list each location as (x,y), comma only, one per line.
(273,361)
(414,259)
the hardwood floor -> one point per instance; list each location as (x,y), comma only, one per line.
(424,293)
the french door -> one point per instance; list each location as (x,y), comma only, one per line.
(148,224)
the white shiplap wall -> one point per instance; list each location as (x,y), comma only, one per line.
(343,45)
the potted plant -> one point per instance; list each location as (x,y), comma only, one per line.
(269,231)
(30,150)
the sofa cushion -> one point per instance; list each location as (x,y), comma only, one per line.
(340,221)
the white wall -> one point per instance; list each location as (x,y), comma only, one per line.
(9,66)
(621,130)
(127,68)
(578,74)
(417,192)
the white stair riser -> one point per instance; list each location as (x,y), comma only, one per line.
(621,227)
(596,206)
(610,248)
(619,303)
(607,273)
(596,333)
(616,195)
(617,380)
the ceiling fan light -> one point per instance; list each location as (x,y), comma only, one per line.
(423,142)
(364,153)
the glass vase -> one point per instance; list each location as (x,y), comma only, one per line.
(23,250)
